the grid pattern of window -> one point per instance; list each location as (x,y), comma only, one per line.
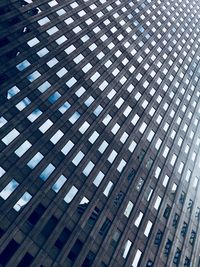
(99,133)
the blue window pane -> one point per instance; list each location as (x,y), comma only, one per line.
(9,189)
(59,183)
(23,65)
(47,172)
(52,99)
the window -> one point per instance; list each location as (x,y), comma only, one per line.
(128,209)
(3,121)
(65,150)
(115,238)
(115,128)
(23,103)
(43,21)
(2,171)
(8,252)
(60,74)
(71,194)
(157,202)
(71,82)
(121,165)
(148,228)
(136,258)
(132,146)
(36,214)
(34,115)
(47,172)
(23,65)
(65,107)
(33,42)
(43,87)
(103,147)
(23,148)
(112,156)
(56,137)
(135,119)
(150,136)
(143,127)
(42,52)
(9,189)
(45,126)
(26,260)
(89,101)
(105,227)
(98,110)
(127,247)
(84,127)
(167,248)
(138,219)
(62,239)
(124,137)
(98,179)
(108,188)
(59,183)
(35,160)
(177,257)
(10,137)
(165,180)
(139,184)
(52,30)
(165,152)
(88,168)
(74,252)
(157,172)
(26,197)
(158,143)
(173,160)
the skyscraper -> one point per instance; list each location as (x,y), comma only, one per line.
(99,133)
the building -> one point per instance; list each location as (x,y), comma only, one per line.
(100,133)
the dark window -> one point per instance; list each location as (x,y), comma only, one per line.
(175,220)
(192,237)
(89,259)
(177,257)
(187,262)
(60,242)
(197,214)
(131,175)
(190,205)
(182,198)
(49,227)
(149,263)
(167,212)
(94,216)
(115,238)
(158,238)
(8,252)
(73,254)
(104,228)
(81,208)
(36,214)
(168,246)
(26,260)
(118,199)
(184,229)
(141,155)
(149,164)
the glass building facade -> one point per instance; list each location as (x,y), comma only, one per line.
(99,133)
